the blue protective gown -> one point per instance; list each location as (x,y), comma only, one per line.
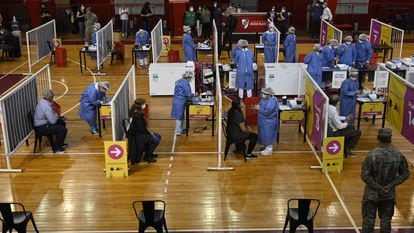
(267,121)
(189,48)
(90,98)
(93,38)
(347,97)
(328,56)
(290,48)
(142,40)
(346,54)
(269,40)
(182,90)
(363,52)
(244,75)
(234,53)
(314,61)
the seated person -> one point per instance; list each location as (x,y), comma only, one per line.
(140,139)
(341,127)
(237,129)
(48,122)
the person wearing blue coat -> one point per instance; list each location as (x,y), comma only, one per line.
(93,96)
(314,62)
(346,52)
(270,40)
(267,120)
(329,53)
(142,39)
(188,45)
(182,91)
(244,60)
(363,50)
(234,53)
(348,95)
(289,46)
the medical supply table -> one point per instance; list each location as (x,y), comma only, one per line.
(374,110)
(294,117)
(206,117)
(84,51)
(205,50)
(137,49)
(379,48)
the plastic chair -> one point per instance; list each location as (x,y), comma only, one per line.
(52,52)
(38,135)
(150,216)
(230,141)
(15,219)
(301,212)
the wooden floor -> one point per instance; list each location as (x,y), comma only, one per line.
(70,192)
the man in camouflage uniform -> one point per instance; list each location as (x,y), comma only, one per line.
(90,20)
(383,169)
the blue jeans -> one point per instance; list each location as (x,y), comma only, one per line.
(124,27)
(156,138)
(81,26)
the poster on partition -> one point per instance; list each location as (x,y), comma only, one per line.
(330,33)
(309,90)
(396,94)
(375,33)
(381,79)
(317,128)
(338,77)
(385,34)
(323,33)
(408,115)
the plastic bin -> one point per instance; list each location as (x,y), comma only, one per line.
(61,57)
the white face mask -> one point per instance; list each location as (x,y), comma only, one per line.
(191,9)
(215,4)
(143,106)
(263,96)
(321,1)
(283,11)
(348,42)
(353,77)
(361,41)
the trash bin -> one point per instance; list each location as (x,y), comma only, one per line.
(61,57)
(173,56)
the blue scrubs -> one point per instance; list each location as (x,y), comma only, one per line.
(182,90)
(314,61)
(269,40)
(346,54)
(267,121)
(234,53)
(347,98)
(363,52)
(91,98)
(189,48)
(142,40)
(244,75)
(328,56)
(290,48)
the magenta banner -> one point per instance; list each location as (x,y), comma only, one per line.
(317,129)
(323,33)
(408,115)
(375,33)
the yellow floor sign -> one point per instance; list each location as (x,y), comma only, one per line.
(333,154)
(116,162)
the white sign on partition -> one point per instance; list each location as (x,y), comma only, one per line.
(337,78)
(381,79)
(232,79)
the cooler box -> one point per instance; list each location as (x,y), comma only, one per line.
(251,112)
(61,57)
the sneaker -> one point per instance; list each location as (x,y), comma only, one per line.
(65,145)
(154,155)
(251,156)
(94,132)
(266,152)
(61,151)
(351,154)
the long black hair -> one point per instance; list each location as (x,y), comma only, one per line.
(235,106)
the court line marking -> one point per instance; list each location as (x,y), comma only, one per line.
(351,219)
(170,163)
(66,88)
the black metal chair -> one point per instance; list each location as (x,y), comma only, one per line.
(52,52)
(151,215)
(301,212)
(230,141)
(38,135)
(15,219)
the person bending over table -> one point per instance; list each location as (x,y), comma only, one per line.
(48,122)
(341,127)
(93,96)
(346,52)
(314,62)
(182,92)
(142,39)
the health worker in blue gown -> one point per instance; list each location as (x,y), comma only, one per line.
(363,50)
(267,120)
(182,92)
(289,45)
(244,76)
(188,45)
(93,96)
(346,52)
(329,53)
(234,53)
(142,39)
(314,62)
(348,95)
(270,40)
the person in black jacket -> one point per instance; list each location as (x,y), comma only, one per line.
(140,139)
(230,26)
